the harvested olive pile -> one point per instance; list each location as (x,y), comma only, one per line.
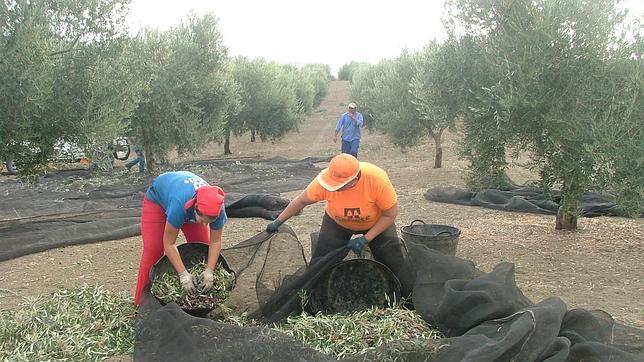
(344,335)
(84,324)
(167,288)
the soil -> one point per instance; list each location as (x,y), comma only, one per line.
(598,266)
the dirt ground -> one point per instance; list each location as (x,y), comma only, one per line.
(598,266)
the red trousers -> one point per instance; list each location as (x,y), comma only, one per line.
(153,219)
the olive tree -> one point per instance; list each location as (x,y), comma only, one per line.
(26,81)
(390,100)
(412,97)
(618,147)
(269,104)
(318,76)
(437,91)
(303,87)
(348,70)
(552,86)
(96,102)
(59,63)
(364,92)
(484,127)
(190,91)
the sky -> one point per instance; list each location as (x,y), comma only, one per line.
(332,32)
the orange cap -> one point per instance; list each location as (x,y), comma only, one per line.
(342,169)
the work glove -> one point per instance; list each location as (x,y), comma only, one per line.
(357,244)
(205,280)
(273,226)
(187,282)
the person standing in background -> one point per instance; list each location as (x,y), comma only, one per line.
(140,159)
(349,124)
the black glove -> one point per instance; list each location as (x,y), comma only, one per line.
(273,226)
(357,244)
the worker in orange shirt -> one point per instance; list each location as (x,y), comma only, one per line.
(360,201)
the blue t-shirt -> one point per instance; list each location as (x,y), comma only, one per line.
(171,191)
(350,129)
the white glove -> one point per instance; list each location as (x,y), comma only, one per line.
(206,279)
(187,282)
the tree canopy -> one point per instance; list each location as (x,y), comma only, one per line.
(70,72)
(60,63)
(558,80)
(554,75)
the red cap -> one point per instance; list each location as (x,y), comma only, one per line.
(208,200)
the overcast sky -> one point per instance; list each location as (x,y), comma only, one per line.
(332,32)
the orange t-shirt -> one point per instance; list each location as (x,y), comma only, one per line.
(359,207)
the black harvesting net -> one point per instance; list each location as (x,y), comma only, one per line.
(484,316)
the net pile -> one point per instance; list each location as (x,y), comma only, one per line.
(483,316)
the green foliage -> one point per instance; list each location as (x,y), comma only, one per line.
(190,91)
(52,53)
(413,97)
(88,324)
(304,88)
(68,73)
(319,76)
(618,147)
(167,288)
(96,103)
(323,70)
(546,83)
(392,107)
(348,70)
(484,128)
(356,333)
(270,99)
(365,93)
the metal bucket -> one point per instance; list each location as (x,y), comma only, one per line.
(191,255)
(354,285)
(442,238)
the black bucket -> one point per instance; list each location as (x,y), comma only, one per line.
(191,255)
(442,238)
(354,285)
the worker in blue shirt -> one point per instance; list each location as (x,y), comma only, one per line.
(349,124)
(183,201)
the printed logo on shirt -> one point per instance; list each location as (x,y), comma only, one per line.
(353,215)
(351,212)
(196,182)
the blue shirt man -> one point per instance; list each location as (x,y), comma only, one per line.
(349,123)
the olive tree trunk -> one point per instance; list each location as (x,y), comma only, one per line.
(566,219)
(149,154)
(568,209)
(438,156)
(227,144)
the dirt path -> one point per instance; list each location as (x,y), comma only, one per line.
(597,267)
